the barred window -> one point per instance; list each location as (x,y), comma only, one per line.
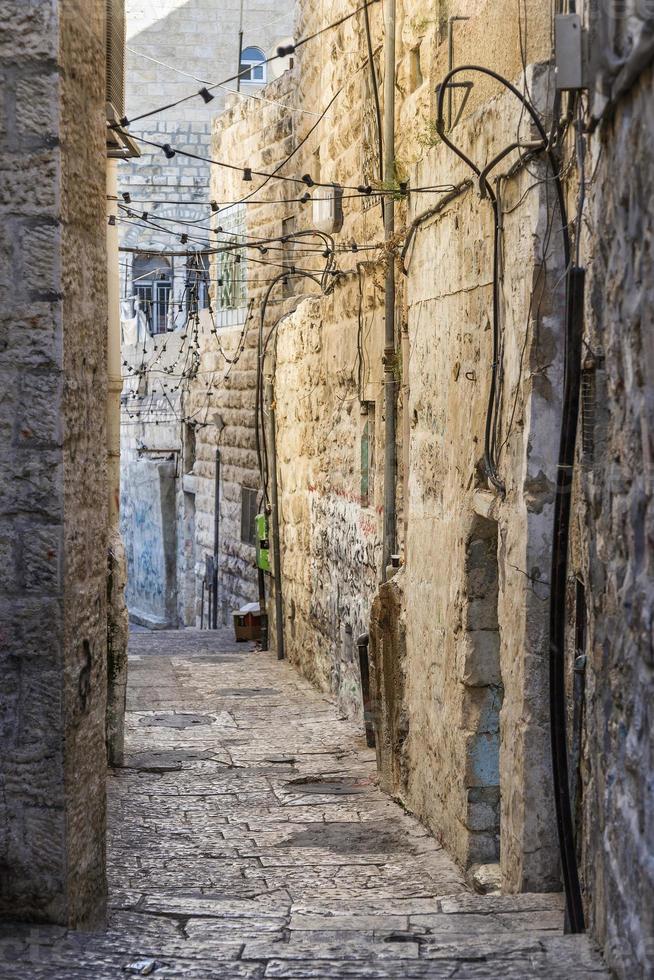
(248,513)
(231,266)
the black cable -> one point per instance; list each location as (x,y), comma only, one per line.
(249,197)
(236,247)
(489,460)
(574,278)
(306,180)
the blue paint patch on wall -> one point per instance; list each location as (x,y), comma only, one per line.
(484,759)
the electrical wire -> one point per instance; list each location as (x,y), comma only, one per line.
(230,91)
(205,93)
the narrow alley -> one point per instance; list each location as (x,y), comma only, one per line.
(326,489)
(247,839)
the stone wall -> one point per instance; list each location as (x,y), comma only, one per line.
(485,654)
(613,540)
(53,493)
(330,541)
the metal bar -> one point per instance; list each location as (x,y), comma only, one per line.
(262,608)
(274,501)
(389,357)
(240,49)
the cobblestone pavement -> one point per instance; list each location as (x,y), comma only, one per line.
(247,839)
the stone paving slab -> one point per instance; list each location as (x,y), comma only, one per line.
(247,838)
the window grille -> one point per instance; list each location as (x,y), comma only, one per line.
(248,514)
(154,300)
(231,293)
(197,284)
(289,227)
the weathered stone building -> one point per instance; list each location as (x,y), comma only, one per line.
(389,394)
(53,509)
(460,634)
(171,47)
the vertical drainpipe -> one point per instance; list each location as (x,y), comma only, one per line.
(114,379)
(240,49)
(406,435)
(390,461)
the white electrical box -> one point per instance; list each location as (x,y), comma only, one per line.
(328,208)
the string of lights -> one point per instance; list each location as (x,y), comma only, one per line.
(230,91)
(189,352)
(205,92)
(248,172)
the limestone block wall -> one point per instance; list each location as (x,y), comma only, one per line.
(477,656)
(330,542)
(263,136)
(53,493)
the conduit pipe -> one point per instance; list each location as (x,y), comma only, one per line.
(558,587)
(389,357)
(405,350)
(114,379)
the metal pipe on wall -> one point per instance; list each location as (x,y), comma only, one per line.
(405,351)
(114,378)
(274,503)
(389,358)
(240,49)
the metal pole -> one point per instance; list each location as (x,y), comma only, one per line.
(390,461)
(406,436)
(216,540)
(274,500)
(240,49)
(114,379)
